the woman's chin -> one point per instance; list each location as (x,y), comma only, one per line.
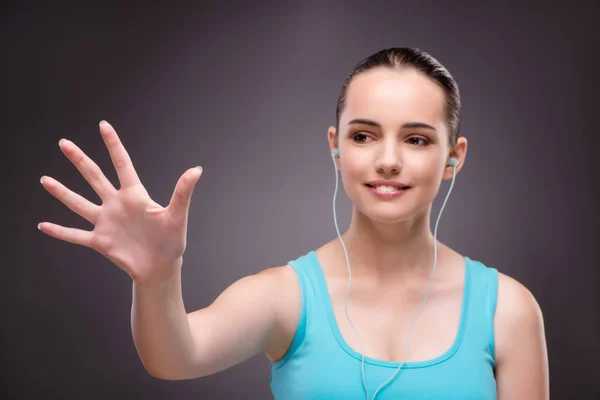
(388,215)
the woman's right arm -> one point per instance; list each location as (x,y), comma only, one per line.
(147,241)
(239,324)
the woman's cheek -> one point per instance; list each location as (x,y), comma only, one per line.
(431,185)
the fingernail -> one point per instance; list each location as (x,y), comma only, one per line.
(42,180)
(102,122)
(199,168)
(61,142)
(39,226)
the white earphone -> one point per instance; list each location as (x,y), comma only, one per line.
(453,162)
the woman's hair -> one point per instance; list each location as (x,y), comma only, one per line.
(405,57)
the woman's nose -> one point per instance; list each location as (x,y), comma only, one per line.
(388,160)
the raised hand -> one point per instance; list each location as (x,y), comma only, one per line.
(137,234)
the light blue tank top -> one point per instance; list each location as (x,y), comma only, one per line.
(321,365)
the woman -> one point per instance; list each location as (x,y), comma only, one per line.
(478,335)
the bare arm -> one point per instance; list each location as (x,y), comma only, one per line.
(522,358)
(239,324)
(160,328)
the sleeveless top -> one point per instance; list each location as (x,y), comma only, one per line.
(321,365)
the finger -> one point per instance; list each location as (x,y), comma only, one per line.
(119,156)
(88,168)
(71,235)
(182,196)
(78,204)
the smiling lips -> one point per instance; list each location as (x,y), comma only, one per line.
(387,192)
(381,182)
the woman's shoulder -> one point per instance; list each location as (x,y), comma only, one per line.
(288,300)
(515,300)
(286,281)
(517,312)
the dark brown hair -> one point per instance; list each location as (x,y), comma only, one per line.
(405,57)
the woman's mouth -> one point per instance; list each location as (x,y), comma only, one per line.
(387,192)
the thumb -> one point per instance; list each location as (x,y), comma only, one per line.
(182,196)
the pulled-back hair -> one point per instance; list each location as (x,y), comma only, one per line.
(405,57)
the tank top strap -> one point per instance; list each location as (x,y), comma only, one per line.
(482,307)
(305,273)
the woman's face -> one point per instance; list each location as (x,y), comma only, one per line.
(394,146)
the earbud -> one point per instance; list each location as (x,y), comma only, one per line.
(453,161)
(335,153)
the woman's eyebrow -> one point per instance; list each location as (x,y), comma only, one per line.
(405,125)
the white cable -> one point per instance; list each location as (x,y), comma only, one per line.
(350,283)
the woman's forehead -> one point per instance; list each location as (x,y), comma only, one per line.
(393,97)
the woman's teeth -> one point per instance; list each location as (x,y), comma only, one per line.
(387,189)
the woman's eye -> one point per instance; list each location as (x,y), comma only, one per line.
(419,141)
(423,140)
(356,135)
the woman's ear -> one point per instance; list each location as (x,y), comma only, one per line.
(332,138)
(333,144)
(459,153)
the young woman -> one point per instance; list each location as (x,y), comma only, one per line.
(383,311)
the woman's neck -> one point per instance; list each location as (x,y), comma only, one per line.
(385,252)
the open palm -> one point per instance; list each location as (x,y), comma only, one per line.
(137,234)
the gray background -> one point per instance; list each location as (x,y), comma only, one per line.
(248,91)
